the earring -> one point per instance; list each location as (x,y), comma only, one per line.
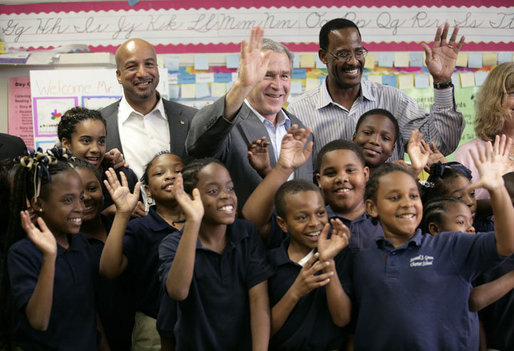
(149,201)
(40,210)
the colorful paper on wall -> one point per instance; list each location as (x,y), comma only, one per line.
(474,60)
(416,59)
(307,60)
(20,110)
(489,58)
(401,59)
(462,60)
(233,60)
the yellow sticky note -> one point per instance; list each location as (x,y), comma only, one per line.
(370,62)
(467,79)
(401,59)
(405,81)
(188,91)
(462,60)
(218,89)
(311,83)
(489,58)
(376,79)
(307,60)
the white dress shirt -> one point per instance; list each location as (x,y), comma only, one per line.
(275,133)
(142,136)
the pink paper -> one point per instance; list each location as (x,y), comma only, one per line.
(20,110)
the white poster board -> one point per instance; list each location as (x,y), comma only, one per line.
(55,91)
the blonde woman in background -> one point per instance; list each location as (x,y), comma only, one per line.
(494,116)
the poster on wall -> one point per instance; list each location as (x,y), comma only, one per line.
(20,110)
(53,92)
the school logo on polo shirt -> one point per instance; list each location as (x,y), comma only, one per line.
(421,261)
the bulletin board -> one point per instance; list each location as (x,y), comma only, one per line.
(53,92)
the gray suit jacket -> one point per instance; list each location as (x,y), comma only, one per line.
(211,135)
(179,121)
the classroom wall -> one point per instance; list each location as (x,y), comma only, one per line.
(194,76)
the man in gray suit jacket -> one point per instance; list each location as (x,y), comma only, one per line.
(142,123)
(250,110)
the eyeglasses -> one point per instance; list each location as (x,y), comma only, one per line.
(346,55)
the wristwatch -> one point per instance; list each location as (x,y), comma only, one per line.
(443,85)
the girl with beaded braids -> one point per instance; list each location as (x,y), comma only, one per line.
(49,272)
(83,131)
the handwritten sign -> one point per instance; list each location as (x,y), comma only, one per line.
(220,25)
(20,109)
(53,92)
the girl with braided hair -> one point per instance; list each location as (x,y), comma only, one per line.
(49,272)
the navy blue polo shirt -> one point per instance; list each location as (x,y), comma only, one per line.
(72,320)
(216,313)
(309,325)
(115,302)
(498,318)
(140,246)
(415,297)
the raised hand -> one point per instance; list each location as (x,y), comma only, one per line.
(329,248)
(292,153)
(490,162)
(254,63)
(115,158)
(193,208)
(124,200)
(418,150)
(442,57)
(258,156)
(306,281)
(435,156)
(43,237)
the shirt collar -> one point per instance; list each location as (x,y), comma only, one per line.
(125,110)
(412,242)
(236,232)
(282,118)
(325,99)
(157,223)
(366,90)
(346,221)
(279,256)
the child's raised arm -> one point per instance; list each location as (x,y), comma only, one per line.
(339,303)
(489,162)
(419,152)
(113,262)
(259,206)
(39,307)
(180,275)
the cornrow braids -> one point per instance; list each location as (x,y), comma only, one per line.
(435,208)
(191,170)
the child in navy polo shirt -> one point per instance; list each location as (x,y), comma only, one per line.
(133,245)
(493,293)
(114,299)
(304,282)
(217,270)
(411,290)
(49,270)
